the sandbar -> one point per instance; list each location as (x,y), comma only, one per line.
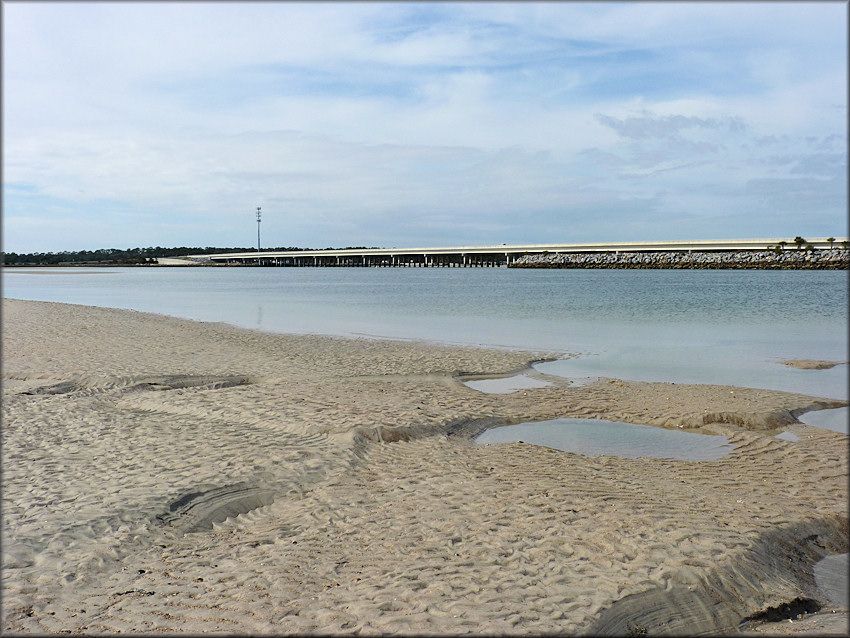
(812,364)
(164,475)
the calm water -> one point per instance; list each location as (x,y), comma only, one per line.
(724,327)
(592,437)
(836,419)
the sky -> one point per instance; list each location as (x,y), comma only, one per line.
(405,124)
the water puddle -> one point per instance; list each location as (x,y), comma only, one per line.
(594,437)
(787,436)
(831,578)
(835,419)
(507,384)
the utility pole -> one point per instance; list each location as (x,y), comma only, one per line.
(258,233)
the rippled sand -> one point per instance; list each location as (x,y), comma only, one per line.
(168,475)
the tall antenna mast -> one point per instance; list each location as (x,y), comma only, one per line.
(258,229)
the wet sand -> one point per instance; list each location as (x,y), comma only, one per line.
(169,475)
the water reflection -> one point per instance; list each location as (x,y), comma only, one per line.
(593,437)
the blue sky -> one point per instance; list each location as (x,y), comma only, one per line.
(421,124)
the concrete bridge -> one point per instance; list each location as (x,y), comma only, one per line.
(477,256)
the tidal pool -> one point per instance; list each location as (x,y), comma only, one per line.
(506,385)
(595,437)
(831,578)
(787,436)
(835,419)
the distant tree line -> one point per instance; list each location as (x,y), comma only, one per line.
(803,244)
(126,257)
(107,255)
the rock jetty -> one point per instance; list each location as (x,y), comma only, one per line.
(829,259)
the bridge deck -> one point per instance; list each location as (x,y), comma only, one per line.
(487,255)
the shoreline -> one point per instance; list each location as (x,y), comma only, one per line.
(164,474)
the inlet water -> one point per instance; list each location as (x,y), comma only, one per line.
(723,327)
(592,437)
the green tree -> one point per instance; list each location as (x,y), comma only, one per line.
(799,241)
(830,240)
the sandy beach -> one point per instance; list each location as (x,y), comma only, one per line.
(165,475)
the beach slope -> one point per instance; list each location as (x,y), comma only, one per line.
(167,475)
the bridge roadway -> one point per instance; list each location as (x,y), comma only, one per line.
(483,255)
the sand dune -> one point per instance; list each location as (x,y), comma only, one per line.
(168,475)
